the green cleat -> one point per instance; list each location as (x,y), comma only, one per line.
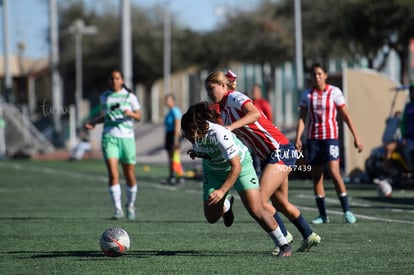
(118,214)
(130,210)
(313,240)
(320,220)
(289,237)
(349,217)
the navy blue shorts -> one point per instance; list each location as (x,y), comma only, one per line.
(322,151)
(169,141)
(286,154)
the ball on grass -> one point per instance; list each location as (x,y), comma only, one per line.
(114,242)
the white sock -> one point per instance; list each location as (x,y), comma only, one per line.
(278,237)
(115,193)
(226,205)
(131,193)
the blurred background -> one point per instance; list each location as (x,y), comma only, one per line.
(56,56)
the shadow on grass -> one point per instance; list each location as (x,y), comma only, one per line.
(140,221)
(100,219)
(133,254)
(403,201)
(194,253)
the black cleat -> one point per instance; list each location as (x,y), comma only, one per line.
(228,217)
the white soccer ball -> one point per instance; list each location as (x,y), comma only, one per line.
(384,189)
(115,242)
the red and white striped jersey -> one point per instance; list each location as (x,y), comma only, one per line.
(321,106)
(261,136)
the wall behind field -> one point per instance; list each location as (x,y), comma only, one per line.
(369,98)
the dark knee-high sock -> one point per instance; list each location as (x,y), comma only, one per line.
(303,227)
(320,203)
(343,198)
(280,222)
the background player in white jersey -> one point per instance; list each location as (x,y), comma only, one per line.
(322,102)
(120,109)
(226,164)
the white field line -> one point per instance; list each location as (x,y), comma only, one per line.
(61,172)
(363,205)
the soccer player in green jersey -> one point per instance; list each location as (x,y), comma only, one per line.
(227,164)
(120,109)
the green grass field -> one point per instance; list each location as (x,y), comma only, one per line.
(53,213)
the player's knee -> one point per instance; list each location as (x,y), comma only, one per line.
(257,212)
(211,218)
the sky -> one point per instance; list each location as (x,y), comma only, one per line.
(28,20)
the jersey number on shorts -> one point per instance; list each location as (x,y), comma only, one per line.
(334,151)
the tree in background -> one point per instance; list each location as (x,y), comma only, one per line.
(374,29)
(347,29)
(354,30)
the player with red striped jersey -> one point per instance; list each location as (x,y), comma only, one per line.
(322,106)
(322,102)
(249,124)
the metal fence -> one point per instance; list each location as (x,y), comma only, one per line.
(19,135)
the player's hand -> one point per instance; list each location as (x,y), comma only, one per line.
(176,145)
(298,145)
(128,113)
(89,126)
(215,197)
(358,145)
(191,153)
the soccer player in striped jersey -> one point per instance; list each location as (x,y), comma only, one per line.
(322,102)
(120,109)
(250,125)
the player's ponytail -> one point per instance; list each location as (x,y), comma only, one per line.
(128,89)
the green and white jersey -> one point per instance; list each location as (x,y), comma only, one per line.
(114,104)
(218,146)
